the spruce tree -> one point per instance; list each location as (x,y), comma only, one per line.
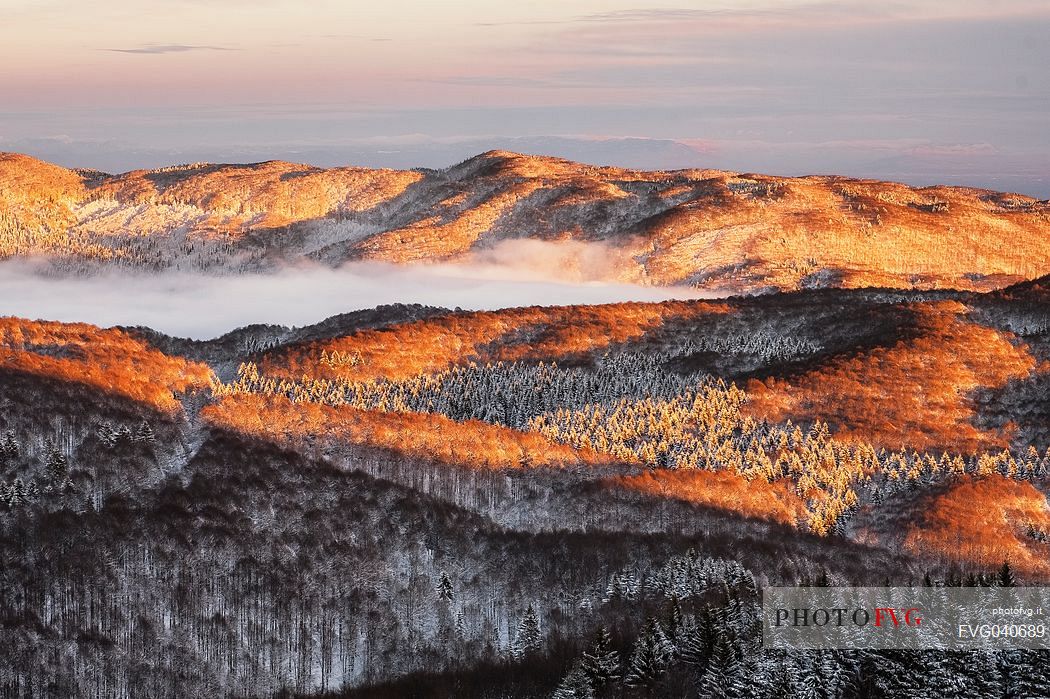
(721,679)
(674,621)
(8,448)
(445,591)
(811,683)
(144,433)
(19,494)
(981,668)
(1025,673)
(460,625)
(528,638)
(106,433)
(698,640)
(601,663)
(574,685)
(1005,577)
(778,676)
(897,673)
(57,466)
(945,675)
(650,659)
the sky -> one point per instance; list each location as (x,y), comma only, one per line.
(924,92)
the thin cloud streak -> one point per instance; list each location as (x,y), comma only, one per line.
(169,48)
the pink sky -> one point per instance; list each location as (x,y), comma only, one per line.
(961,86)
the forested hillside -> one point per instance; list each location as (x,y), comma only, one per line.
(569,502)
(705,228)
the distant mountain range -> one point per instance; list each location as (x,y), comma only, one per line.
(706,228)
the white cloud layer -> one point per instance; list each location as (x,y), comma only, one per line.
(202,307)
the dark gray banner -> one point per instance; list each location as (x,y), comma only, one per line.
(915,618)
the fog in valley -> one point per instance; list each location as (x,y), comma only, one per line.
(202,306)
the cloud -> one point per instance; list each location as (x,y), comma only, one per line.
(571,261)
(954,150)
(808,12)
(360,37)
(494,81)
(201,307)
(154,49)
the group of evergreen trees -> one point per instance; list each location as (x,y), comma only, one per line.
(113,436)
(632,408)
(701,638)
(52,477)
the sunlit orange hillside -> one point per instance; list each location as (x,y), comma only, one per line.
(435,344)
(428,437)
(915,392)
(264,195)
(108,361)
(707,228)
(979,521)
(722,491)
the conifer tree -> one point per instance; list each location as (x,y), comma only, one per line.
(981,668)
(650,659)
(144,433)
(812,683)
(1025,673)
(574,685)
(527,640)
(601,663)
(1005,577)
(57,466)
(945,675)
(19,493)
(445,591)
(779,680)
(721,679)
(698,640)
(460,626)
(8,448)
(674,622)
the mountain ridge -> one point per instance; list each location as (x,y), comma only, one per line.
(738,232)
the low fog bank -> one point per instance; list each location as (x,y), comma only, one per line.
(203,307)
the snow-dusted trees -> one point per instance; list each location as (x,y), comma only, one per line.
(601,662)
(528,639)
(144,433)
(630,408)
(575,685)
(722,677)
(698,640)
(651,657)
(9,448)
(445,590)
